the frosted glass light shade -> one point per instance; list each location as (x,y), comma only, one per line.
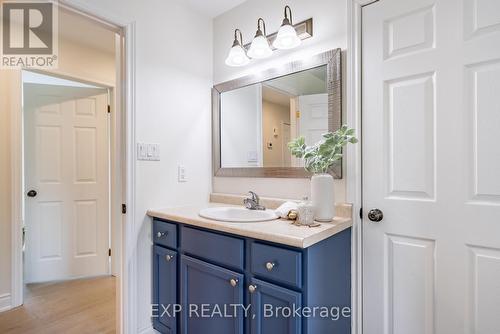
(260,48)
(237,56)
(287,38)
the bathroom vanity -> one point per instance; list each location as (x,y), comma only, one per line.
(260,278)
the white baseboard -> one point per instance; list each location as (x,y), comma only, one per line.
(5,302)
(148,330)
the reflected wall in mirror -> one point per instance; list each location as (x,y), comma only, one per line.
(254,120)
(258,121)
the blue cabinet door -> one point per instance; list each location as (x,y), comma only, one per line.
(272,309)
(208,296)
(164,290)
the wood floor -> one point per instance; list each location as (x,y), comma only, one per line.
(71,307)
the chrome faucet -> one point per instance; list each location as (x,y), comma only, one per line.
(252,203)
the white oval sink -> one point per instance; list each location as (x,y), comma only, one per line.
(237,215)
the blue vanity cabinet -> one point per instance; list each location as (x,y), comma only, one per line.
(269,317)
(164,289)
(207,272)
(215,287)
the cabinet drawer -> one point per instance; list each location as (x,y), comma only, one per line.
(218,248)
(164,233)
(278,264)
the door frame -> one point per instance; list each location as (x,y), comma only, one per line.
(354,186)
(124,122)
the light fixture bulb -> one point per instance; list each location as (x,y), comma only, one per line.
(237,55)
(287,38)
(287,35)
(260,47)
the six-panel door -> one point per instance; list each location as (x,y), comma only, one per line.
(67,167)
(165,289)
(431,162)
(272,309)
(210,296)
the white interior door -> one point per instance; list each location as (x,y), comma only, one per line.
(431,164)
(67,164)
(313,121)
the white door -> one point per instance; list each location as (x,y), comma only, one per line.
(313,120)
(431,164)
(66,163)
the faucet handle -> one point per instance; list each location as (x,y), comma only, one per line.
(255,197)
(252,203)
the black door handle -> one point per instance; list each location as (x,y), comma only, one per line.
(32,193)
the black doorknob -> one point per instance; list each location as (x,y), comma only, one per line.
(32,193)
(375,215)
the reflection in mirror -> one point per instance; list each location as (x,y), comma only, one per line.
(258,121)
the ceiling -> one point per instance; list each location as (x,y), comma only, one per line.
(50,94)
(211,8)
(275,96)
(311,81)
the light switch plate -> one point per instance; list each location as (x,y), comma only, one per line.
(148,151)
(181,174)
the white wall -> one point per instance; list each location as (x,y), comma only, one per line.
(329,30)
(241,127)
(5,192)
(80,61)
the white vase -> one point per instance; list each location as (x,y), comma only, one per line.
(322,197)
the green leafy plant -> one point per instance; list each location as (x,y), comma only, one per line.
(320,156)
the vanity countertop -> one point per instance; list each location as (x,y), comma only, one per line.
(279,231)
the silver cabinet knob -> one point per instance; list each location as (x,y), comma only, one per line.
(375,215)
(161,234)
(270,266)
(252,288)
(233,282)
(169,257)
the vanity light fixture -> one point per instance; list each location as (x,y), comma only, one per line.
(260,47)
(287,35)
(237,55)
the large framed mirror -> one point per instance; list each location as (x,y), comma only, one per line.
(254,117)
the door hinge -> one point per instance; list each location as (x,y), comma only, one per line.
(109,109)
(124,208)
(360,213)
(109,252)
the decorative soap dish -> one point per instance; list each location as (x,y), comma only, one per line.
(315,224)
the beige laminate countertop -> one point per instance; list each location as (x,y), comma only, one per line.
(279,231)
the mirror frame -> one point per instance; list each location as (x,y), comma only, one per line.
(333,61)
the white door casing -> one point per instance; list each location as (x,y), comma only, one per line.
(431,163)
(67,163)
(286,157)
